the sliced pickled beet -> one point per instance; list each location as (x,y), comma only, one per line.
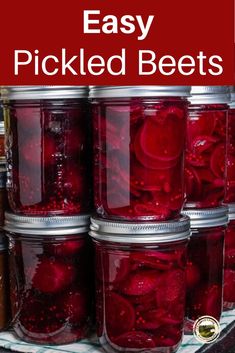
(202,125)
(135,339)
(74,305)
(144,302)
(193,182)
(112,267)
(74,180)
(155,138)
(52,276)
(229,286)
(67,248)
(168,336)
(217,162)
(203,143)
(192,275)
(155,259)
(207,300)
(36,151)
(230,258)
(150,320)
(119,314)
(140,283)
(171,288)
(160,212)
(149,162)
(150,179)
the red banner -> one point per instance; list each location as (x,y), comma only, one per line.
(103,42)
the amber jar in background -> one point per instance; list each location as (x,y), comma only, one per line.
(4,284)
(230,184)
(205,169)
(48,149)
(229,264)
(139,139)
(140,284)
(205,264)
(50,277)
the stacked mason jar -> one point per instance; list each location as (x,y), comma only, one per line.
(205,174)
(229,271)
(48,151)
(139,233)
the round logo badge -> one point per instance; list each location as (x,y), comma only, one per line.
(206,329)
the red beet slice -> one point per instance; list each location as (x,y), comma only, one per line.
(203,143)
(171,288)
(112,267)
(217,162)
(67,248)
(35,151)
(151,320)
(168,336)
(200,125)
(192,275)
(230,258)
(52,276)
(135,339)
(74,180)
(74,305)
(193,182)
(207,300)
(155,139)
(229,286)
(155,259)
(144,302)
(140,283)
(119,315)
(151,179)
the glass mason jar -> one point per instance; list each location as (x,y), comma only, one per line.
(50,277)
(230,185)
(140,284)
(3,195)
(229,265)
(206,146)
(48,149)
(139,140)
(4,284)
(205,264)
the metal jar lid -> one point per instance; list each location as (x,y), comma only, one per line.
(43,92)
(231,211)
(58,225)
(138,91)
(3,177)
(210,95)
(2,128)
(232,97)
(140,232)
(207,217)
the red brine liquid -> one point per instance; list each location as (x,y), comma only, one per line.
(205,155)
(204,275)
(230,185)
(48,154)
(229,267)
(140,297)
(50,289)
(138,157)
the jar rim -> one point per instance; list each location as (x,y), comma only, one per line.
(231,211)
(43,92)
(207,217)
(53,225)
(138,91)
(210,95)
(140,232)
